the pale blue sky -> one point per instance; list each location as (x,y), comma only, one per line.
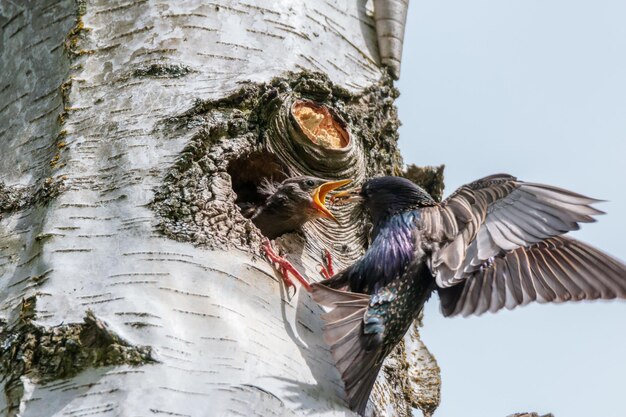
(536,89)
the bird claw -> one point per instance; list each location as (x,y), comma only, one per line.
(285,267)
(287,281)
(327,268)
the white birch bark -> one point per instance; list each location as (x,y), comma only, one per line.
(86,92)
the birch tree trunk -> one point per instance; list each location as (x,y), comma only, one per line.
(131,132)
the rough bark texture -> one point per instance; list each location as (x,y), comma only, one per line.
(131,132)
(430,178)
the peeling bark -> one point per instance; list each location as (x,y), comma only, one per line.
(390,17)
(132,134)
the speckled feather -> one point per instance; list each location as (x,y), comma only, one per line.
(399,284)
(362,333)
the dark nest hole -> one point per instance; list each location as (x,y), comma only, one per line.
(248,173)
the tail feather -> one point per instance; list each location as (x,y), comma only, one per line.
(330,297)
(339,313)
(361,383)
(346,355)
(344,334)
(340,334)
(346,349)
(362,392)
(335,319)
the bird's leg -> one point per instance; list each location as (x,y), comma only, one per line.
(285,267)
(327,268)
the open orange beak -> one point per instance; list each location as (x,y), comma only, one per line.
(320,193)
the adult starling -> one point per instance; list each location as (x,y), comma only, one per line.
(493,243)
(287,207)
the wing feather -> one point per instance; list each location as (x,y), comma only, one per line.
(558,269)
(499,293)
(495,215)
(608,278)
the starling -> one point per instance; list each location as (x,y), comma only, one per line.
(494,243)
(287,207)
(292,203)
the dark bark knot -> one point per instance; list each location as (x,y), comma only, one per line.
(300,124)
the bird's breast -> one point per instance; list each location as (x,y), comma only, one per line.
(394,248)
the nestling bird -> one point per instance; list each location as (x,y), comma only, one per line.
(494,243)
(292,203)
(287,207)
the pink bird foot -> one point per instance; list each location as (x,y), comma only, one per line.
(285,267)
(327,269)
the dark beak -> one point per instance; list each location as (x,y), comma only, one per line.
(320,193)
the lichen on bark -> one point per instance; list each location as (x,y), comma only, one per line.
(15,198)
(77,32)
(45,354)
(430,178)
(162,70)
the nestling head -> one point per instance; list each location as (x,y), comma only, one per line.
(386,196)
(304,195)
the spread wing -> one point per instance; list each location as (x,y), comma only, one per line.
(556,270)
(484,223)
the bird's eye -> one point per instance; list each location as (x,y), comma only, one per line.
(310,183)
